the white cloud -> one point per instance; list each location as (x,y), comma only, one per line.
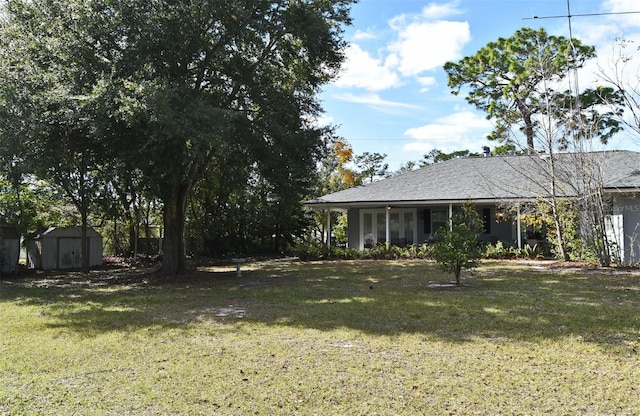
(361,35)
(439,11)
(426,82)
(361,70)
(455,126)
(437,131)
(376,101)
(425,46)
(419,147)
(432,11)
(420,42)
(605,33)
(322,120)
(621,18)
(462,130)
(628,9)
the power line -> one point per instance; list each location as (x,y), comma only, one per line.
(569,15)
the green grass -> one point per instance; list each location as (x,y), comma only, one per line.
(353,337)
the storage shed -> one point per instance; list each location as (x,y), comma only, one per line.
(61,248)
(9,248)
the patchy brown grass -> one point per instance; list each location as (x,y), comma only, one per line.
(353,337)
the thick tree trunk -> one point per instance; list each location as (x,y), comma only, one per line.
(84,242)
(529,131)
(132,226)
(174,254)
(562,252)
(83,206)
(555,212)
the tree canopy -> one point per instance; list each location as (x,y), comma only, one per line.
(512,79)
(168,88)
(371,166)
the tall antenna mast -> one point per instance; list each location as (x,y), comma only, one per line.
(574,86)
(573,59)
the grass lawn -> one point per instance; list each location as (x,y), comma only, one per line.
(353,337)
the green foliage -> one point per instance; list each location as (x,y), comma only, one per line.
(500,251)
(341,228)
(436,156)
(541,218)
(312,251)
(165,89)
(601,112)
(315,251)
(506,148)
(458,248)
(234,209)
(505,78)
(371,166)
(532,251)
(32,204)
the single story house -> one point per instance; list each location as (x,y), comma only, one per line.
(61,248)
(9,249)
(409,207)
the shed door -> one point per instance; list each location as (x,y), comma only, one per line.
(69,253)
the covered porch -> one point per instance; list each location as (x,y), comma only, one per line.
(404,225)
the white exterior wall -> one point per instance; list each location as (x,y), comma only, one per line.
(624,225)
(49,254)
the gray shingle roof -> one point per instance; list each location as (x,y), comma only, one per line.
(490,179)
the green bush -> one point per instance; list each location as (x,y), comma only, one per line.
(500,251)
(532,252)
(458,248)
(315,251)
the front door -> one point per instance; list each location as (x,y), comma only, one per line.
(373,227)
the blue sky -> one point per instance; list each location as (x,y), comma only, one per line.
(392,95)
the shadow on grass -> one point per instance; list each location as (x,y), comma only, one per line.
(375,297)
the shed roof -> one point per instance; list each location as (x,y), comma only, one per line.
(494,178)
(53,232)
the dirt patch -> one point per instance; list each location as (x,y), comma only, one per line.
(578,267)
(146,275)
(103,277)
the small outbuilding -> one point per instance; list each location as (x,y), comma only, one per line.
(61,248)
(9,248)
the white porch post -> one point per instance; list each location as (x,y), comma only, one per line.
(450,217)
(387,230)
(328,228)
(519,228)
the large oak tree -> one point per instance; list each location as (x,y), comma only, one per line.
(165,86)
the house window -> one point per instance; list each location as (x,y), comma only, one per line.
(439,219)
(381,227)
(409,226)
(367,230)
(373,226)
